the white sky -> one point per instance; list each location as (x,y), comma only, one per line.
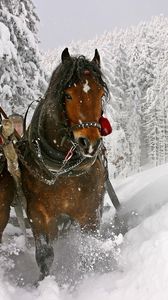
(64,21)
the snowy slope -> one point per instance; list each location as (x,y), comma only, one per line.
(131,267)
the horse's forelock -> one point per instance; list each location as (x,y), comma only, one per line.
(71,71)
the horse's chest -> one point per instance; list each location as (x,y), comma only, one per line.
(69,194)
(74,192)
(80,198)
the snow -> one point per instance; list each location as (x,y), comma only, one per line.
(133,266)
(22,78)
(113,266)
(6,46)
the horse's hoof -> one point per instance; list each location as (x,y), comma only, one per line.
(37,282)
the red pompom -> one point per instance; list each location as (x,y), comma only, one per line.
(105,126)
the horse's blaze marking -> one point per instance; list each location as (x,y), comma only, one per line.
(86,87)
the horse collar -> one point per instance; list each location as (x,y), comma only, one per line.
(53,170)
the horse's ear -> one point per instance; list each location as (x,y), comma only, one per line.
(65,55)
(96,58)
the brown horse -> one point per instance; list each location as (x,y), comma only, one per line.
(61,158)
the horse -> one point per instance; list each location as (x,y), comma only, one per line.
(61,156)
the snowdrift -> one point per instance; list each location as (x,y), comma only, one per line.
(133,266)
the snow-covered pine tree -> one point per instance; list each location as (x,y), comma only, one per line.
(149,68)
(126,94)
(157,114)
(116,144)
(21,76)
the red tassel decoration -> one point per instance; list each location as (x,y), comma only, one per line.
(105,126)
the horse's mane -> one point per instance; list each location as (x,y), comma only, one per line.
(70,72)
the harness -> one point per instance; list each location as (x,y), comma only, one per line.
(51,176)
(69,164)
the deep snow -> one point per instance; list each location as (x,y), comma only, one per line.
(133,266)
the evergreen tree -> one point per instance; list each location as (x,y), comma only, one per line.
(21,76)
(126,94)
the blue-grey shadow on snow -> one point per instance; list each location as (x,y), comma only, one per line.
(146,202)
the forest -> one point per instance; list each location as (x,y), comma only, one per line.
(134,63)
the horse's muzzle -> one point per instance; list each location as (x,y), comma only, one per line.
(88,148)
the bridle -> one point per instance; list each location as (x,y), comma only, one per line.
(86,125)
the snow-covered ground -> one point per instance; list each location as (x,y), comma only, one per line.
(113,267)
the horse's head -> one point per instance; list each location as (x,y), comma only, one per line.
(83,103)
(72,108)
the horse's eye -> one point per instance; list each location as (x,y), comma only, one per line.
(67,96)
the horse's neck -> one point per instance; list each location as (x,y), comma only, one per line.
(48,127)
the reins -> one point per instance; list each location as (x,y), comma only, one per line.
(26,114)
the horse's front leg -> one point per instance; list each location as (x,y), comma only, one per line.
(44,231)
(44,254)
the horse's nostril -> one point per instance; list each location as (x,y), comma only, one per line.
(83,142)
